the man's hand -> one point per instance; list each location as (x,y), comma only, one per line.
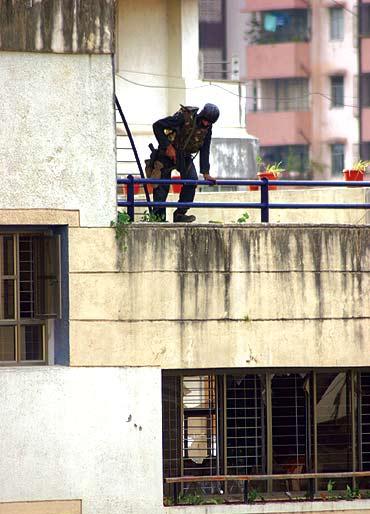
(207,176)
(171,152)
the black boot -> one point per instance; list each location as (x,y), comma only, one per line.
(179,217)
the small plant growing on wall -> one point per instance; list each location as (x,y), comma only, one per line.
(120,225)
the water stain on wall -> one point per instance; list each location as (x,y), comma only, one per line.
(60,26)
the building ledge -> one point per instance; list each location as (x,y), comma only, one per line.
(40,217)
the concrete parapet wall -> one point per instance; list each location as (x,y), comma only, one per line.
(220,296)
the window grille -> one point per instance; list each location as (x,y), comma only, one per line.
(364,412)
(263,423)
(336,23)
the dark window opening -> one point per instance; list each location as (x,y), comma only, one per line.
(294,159)
(337,91)
(337,158)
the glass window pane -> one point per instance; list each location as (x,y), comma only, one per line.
(7,343)
(7,304)
(337,159)
(7,252)
(337,91)
(32,343)
(336,23)
(334,429)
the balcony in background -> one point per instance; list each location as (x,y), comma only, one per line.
(281,128)
(268,5)
(284,60)
(366,124)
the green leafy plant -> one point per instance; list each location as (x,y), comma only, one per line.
(275,168)
(168,502)
(254,495)
(151,217)
(360,166)
(198,498)
(352,493)
(120,225)
(243,218)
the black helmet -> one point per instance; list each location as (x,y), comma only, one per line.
(210,112)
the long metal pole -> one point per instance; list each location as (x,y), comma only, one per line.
(133,146)
(359,85)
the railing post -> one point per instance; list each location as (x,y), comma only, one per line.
(245,491)
(176,493)
(265,200)
(131,198)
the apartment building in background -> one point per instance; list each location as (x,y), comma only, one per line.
(364,73)
(302,70)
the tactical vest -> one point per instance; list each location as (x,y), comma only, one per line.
(190,138)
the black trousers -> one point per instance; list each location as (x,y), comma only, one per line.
(187,194)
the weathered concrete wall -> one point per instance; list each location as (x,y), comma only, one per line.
(88,434)
(57,138)
(223,296)
(284,195)
(57,25)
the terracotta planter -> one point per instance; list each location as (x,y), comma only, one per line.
(354,175)
(264,174)
(176,188)
(136,189)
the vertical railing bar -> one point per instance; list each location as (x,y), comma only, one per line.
(131,198)
(265,200)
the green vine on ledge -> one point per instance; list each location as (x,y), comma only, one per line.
(123,220)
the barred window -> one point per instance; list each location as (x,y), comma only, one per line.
(264,423)
(30,294)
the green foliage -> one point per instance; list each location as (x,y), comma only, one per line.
(352,493)
(168,502)
(198,498)
(275,168)
(123,220)
(361,166)
(151,217)
(254,495)
(243,218)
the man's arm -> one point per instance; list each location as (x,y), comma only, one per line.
(170,122)
(204,157)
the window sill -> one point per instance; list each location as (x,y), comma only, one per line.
(275,507)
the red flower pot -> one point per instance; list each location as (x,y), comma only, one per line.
(136,189)
(354,175)
(264,174)
(176,188)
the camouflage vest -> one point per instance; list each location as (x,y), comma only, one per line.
(190,138)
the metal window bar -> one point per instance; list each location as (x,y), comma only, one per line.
(364,424)
(26,278)
(131,203)
(244,429)
(289,426)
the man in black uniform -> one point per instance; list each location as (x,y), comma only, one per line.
(180,138)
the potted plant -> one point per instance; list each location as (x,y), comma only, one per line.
(271,172)
(357,171)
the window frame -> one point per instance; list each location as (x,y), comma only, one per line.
(337,91)
(337,170)
(19,321)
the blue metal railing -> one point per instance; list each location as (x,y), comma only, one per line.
(264,205)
